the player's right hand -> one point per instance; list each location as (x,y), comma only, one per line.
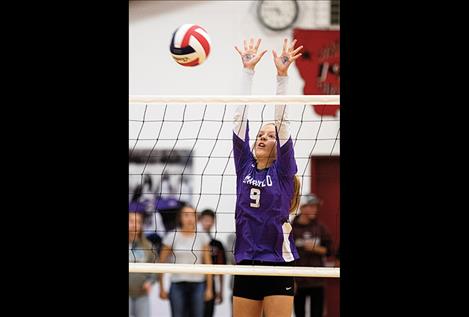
(250,55)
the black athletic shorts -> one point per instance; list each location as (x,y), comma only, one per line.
(257,287)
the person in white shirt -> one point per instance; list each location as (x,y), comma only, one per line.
(187,292)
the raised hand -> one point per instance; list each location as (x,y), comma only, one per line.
(288,56)
(250,55)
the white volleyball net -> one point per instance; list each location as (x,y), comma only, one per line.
(180,150)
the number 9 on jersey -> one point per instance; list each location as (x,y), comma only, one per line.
(256,196)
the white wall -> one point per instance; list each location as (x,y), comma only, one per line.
(152,71)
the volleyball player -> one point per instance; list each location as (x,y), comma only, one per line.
(267,191)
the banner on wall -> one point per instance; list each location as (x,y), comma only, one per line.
(319,66)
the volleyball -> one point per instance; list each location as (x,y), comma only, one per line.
(190,45)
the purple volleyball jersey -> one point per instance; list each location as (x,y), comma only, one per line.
(263,201)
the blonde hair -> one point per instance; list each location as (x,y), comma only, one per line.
(295,201)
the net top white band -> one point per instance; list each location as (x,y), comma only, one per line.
(236,99)
(234,269)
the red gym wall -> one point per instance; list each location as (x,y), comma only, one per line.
(325,183)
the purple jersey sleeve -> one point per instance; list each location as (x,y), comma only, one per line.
(286,157)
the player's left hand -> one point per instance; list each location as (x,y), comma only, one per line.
(288,56)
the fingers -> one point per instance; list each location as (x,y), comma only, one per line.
(259,56)
(257,44)
(274,53)
(251,45)
(297,50)
(284,49)
(296,56)
(292,45)
(293,53)
(262,54)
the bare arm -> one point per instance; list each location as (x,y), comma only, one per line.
(311,247)
(209,277)
(219,295)
(164,255)
(151,277)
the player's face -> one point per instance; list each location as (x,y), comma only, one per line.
(206,222)
(310,211)
(135,224)
(188,218)
(265,142)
